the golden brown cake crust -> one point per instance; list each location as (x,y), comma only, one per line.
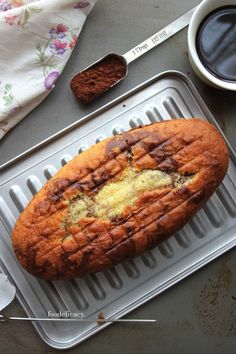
(55,238)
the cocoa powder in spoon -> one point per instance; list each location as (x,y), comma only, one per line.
(92,82)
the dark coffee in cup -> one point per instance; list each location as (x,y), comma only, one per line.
(216,43)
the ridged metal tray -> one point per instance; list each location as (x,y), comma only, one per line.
(116,291)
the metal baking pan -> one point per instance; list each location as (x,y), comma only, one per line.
(119,290)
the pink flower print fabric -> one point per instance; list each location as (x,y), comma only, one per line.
(11,4)
(58,47)
(58,32)
(26,79)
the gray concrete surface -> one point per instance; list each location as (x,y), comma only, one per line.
(199,314)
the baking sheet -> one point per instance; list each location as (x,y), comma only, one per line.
(122,288)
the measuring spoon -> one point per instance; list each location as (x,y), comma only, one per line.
(111,69)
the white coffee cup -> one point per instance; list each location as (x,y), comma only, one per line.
(204,8)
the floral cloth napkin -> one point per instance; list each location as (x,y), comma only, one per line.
(36,40)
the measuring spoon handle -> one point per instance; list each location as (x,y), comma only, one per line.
(159,37)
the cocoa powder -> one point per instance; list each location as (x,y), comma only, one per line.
(92,82)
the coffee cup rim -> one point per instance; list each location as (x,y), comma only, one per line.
(201,12)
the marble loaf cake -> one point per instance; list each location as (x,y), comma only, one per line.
(119,198)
